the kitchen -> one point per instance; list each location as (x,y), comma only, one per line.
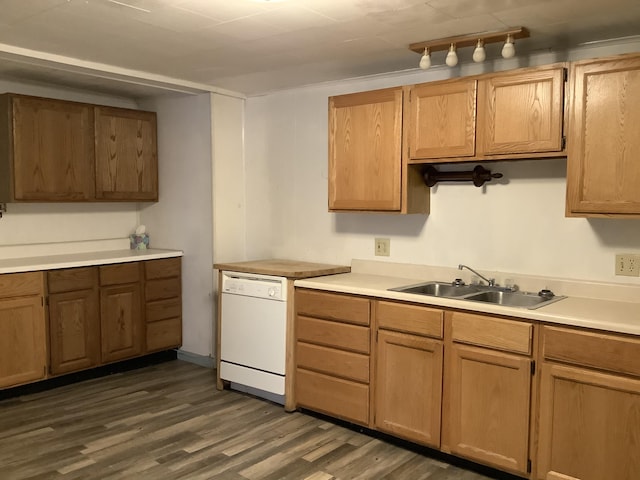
(516,225)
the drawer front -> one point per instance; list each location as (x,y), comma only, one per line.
(409,318)
(163,309)
(20,284)
(165,268)
(120,274)
(498,333)
(592,349)
(333,396)
(72,279)
(164,334)
(338,363)
(160,289)
(333,334)
(333,306)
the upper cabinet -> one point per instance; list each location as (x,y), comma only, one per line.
(603,166)
(506,115)
(365,154)
(126,154)
(60,151)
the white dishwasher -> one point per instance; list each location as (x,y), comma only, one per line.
(253,333)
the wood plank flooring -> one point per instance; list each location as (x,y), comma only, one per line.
(168,421)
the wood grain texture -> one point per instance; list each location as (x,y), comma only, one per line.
(122,329)
(168,422)
(120,273)
(443,119)
(332,306)
(365,151)
(483,330)
(601,410)
(162,268)
(416,319)
(344,336)
(21,284)
(284,268)
(70,279)
(126,154)
(332,361)
(602,168)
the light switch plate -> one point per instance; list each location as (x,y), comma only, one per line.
(382,247)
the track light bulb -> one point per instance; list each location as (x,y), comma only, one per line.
(425,61)
(479,54)
(509,49)
(452,56)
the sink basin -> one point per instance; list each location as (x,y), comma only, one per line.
(439,289)
(513,299)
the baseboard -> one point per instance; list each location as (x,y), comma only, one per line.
(201,360)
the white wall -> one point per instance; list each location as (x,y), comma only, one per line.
(182,218)
(32,229)
(513,225)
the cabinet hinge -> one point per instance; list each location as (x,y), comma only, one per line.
(564,142)
(528,465)
(533,367)
(565,74)
(377,336)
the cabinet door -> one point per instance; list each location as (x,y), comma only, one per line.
(589,424)
(488,417)
(603,167)
(53,152)
(126,154)
(365,151)
(121,322)
(74,324)
(23,345)
(443,120)
(408,387)
(521,112)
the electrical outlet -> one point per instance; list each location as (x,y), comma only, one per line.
(382,247)
(628,264)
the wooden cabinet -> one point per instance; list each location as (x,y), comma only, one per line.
(332,354)
(603,169)
(122,327)
(488,383)
(506,115)
(163,304)
(589,406)
(47,150)
(408,373)
(61,151)
(365,155)
(126,154)
(23,346)
(74,319)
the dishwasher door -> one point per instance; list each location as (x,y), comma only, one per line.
(253,331)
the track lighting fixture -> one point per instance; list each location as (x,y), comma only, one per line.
(477,40)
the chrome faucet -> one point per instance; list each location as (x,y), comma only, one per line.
(490,281)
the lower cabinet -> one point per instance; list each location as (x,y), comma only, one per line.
(408,378)
(333,339)
(74,319)
(589,406)
(163,304)
(489,379)
(23,346)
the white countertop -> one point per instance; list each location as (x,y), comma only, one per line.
(601,314)
(50,262)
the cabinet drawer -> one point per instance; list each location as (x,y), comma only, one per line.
(409,318)
(159,289)
(20,284)
(333,306)
(333,334)
(120,274)
(164,334)
(333,396)
(349,365)
(164,309)
(165,268)
(591,349)
(72,279)
(498,333)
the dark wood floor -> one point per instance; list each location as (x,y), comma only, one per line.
(168,422)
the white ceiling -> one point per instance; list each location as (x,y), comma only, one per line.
(252,46)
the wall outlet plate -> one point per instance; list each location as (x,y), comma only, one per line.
(627,264)
(382,247)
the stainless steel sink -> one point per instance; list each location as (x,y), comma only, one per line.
(439,289)
(482,293)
